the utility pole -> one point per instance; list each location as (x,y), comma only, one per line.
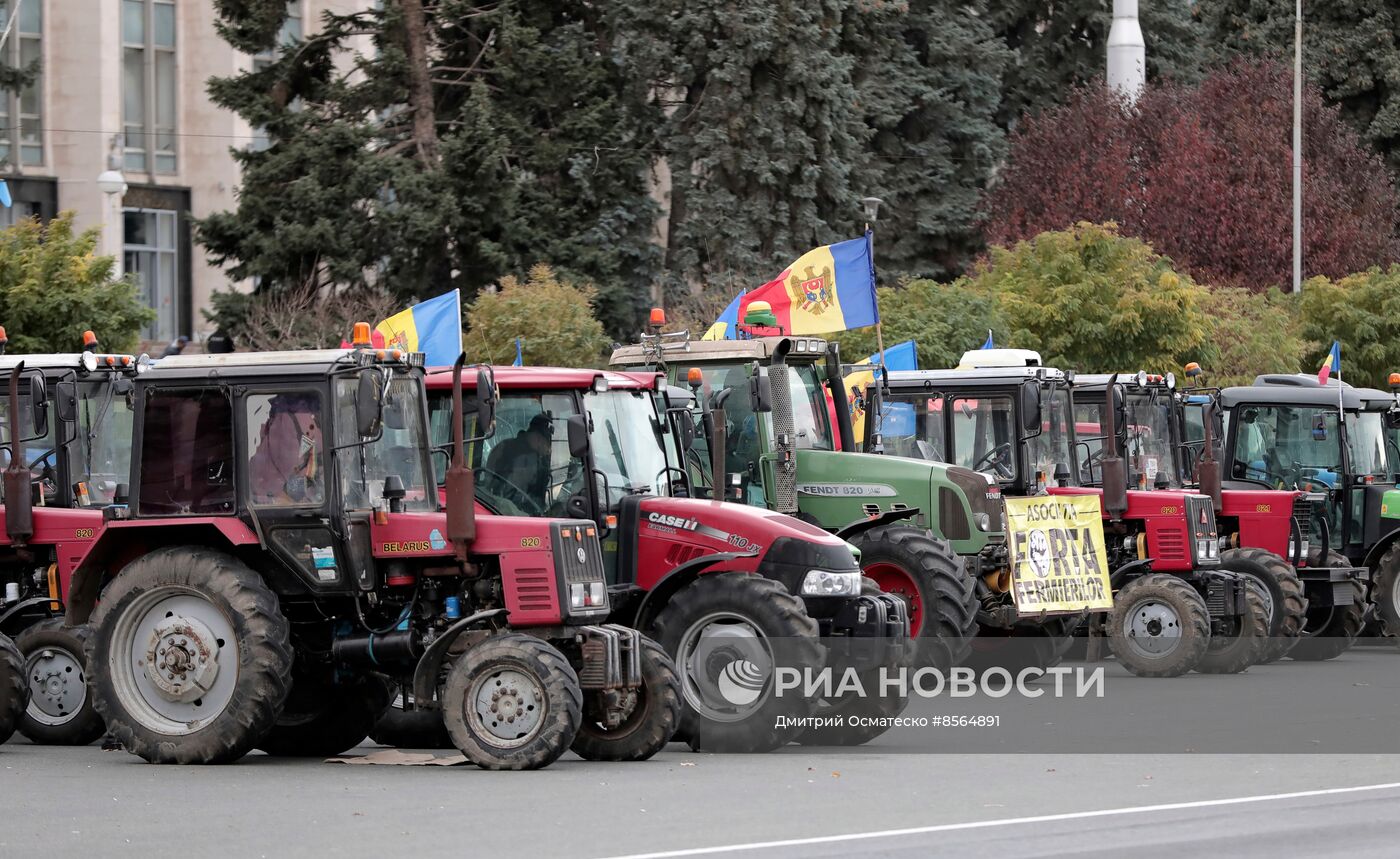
(1298,148)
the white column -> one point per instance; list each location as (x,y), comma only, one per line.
(1127,53)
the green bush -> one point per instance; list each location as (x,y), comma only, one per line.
(54,286)
(1251,333)
(1363,311)
(554,319)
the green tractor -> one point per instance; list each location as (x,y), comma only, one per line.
(780,423)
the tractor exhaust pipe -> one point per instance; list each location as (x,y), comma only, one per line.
(1208,469)
(19,504)
(461,481)
(1115,470)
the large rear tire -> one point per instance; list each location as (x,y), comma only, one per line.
(1282,593)
(727,632)
(322,719)
(190,657)
(1330,631)
(1244,646)
(60,711)
(14,692)
(512,702)
(912,564)
(652,717)
(1387,591)
(1159,627)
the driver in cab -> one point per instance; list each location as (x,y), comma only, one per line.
(523,462)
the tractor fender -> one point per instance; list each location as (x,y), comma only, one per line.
(673,581)
(429,669)
(122,541)
(860,526)
(1373,557)
(1130,570)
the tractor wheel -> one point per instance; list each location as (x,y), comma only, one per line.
(410,729)
(190,657)
(727,632)
(1387,591)
(14,692)
(60,711)
(1159,627)
(1282,592)
(1026,645)
(322,719)
(512,702)
(653,712)
(1244,646)
(865,709)
(912,564)
(1331,630)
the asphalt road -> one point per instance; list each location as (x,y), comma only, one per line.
(887,799)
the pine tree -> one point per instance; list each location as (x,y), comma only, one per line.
(1350,49)
(1060,44)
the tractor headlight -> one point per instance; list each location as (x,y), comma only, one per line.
(822,583)
(587,595)
(1207,549)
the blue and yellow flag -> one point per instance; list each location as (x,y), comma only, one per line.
(901,356)
(433,327)
(831,288)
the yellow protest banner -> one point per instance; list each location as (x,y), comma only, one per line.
(1058,559)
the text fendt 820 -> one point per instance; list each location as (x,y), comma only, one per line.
(71,456)
(789,447)
(716,583)
(1175,608)
(1284,431)
(284,549)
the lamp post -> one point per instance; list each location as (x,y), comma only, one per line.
(1298,147)
(112,184)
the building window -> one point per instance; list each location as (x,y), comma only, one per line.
(290,34)
(151,254)
(148,84)
(21,114)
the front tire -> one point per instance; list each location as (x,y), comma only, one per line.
(512,702)
(60,711)
(1231,654)
(322,719)
(1282,593)
(727,632)
(190,657)
(1159,627)
(1332,630)
(651,720)
(912,564)
(14,692)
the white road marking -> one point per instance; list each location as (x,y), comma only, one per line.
(1012,821)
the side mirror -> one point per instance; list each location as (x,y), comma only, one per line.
(1120,410)
(1030,407)
(578,436)
(486,396)
(369,406)
(761,392)
(65,401)
(683,424)
(39,404)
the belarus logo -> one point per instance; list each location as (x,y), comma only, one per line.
(813,293)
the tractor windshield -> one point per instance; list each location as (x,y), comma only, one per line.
(911,425)
(630,446)
(1287,446)
(37,452)
(811,413)
(984,434)
(1366,444)
(1051,449)
(1150,453)
(103,441)
(401,449)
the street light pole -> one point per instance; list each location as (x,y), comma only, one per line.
(1298,148)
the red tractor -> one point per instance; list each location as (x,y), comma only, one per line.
(284,551)
(718,584)
(70,457)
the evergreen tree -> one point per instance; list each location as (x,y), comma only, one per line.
(1060,44)
(1350,49)
(474,139)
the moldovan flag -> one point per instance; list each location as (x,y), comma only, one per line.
(1331,364)
(828,289)
(901,356)
(433,327)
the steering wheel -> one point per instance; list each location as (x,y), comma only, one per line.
(43,456)
(996,458)
(518,496)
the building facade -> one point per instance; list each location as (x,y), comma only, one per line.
(122,87)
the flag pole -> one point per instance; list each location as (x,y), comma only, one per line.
(875,293)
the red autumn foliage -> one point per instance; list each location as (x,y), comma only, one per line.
(1204,175)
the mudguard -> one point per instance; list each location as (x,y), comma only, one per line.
(677,579)
(862,525)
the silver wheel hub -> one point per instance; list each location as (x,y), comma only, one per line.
(508,705)
(1153,628)
(57,685)
(182,660)
(725,665)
